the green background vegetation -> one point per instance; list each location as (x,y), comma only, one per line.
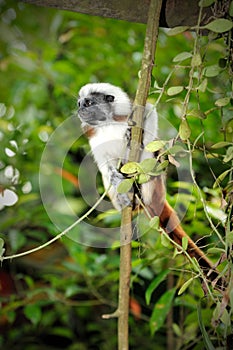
(57,295)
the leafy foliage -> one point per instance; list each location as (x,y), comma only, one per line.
(57,295)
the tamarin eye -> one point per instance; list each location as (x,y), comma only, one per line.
(109,98)
(88,102)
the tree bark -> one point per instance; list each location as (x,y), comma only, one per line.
(173,13)
(136,134)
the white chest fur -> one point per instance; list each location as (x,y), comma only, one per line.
(108,144)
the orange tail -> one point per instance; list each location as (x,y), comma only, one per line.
(170,223)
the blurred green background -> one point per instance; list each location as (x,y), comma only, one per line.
(54,298)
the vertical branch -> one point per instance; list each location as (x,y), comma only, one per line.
(170,337)
(145,76)
(136,135)
(124,279)
(122,312)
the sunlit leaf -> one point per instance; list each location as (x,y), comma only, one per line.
(221,102)
(2,249)
(182,56)
(143,178)
(177,30)
(174,90)
(155,146)
(221,177)
(154,222)
(196,60)
(185,243)
(162,166)
(229,155)
(202,87)
(221,144)
(197,114)
(125,186)
(185,286)
(130,168)
(175,150)
(184,130)
(219,25)
(165,241)
(212,71)
(148,164)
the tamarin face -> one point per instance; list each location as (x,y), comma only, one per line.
(95,108)
(102,103)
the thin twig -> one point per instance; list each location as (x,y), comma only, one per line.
(60,235)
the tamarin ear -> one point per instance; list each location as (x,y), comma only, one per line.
(109,98)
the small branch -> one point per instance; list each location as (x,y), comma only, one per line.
(115,314)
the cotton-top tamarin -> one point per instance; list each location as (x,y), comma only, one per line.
(104,110)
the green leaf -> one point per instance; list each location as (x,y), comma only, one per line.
(185,243)
(174,90)
(196,60)
(182,56)
(143,178)
(219,25)
(185,286)
(33,313)
(2,249)
(155,146)
(175,150)
(177,30)
(154,284)
(221,102)
(154,222)
(161,167)
(221,177)
(161,310)
(130,168)
(221,144)
(148,164)
(165,241)
(206,3)
(231,9)
(125,186)
(184,130)
(2,109)
(202,87)
(197,114)
(229,155)
(212,71)
(206,339)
